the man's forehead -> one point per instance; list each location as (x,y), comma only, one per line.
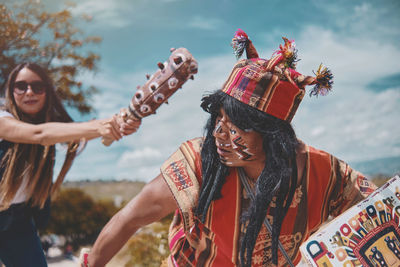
(222,113)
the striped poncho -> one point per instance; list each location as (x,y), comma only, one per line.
(328,187)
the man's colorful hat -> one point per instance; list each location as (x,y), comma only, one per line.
(272,86)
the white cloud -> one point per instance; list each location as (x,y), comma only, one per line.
(105,13)
(203,23)
(358,123)
(116,90)
(139,156)
(362,10)
(371,20)
(353,59)
(364,127)
(317,131)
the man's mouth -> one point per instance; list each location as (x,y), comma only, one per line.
(221,144)
(224,145)
(223,152)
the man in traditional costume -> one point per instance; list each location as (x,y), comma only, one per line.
(249,192)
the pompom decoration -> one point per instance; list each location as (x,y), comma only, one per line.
(324,80)
(289,53)
(239,43)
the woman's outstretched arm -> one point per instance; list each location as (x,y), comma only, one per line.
(51,133)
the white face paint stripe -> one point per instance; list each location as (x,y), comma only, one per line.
(218,127)
(248,150)
(240,155)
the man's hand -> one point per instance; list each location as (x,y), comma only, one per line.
(127,126)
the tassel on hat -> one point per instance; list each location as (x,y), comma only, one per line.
(272,86)
(324,81)
(240,42)
(288,52)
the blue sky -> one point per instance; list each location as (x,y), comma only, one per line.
(358,40)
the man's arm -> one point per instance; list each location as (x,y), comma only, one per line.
(355,187)
(154,202)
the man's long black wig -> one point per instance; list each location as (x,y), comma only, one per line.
(278,178)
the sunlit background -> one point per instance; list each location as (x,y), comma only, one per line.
(359,40)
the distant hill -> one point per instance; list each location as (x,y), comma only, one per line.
(108,190)
(384,166)
(126,190)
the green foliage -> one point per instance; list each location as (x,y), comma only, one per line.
(30,33)
(78,217)
(149,246)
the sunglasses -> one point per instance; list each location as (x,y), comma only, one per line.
(38,87)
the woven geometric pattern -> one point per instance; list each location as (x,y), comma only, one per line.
(254,83)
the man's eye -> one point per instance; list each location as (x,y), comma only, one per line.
(232,131)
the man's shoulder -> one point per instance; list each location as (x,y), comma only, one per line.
(323,162)
(195,143)
(187,156)
(315,152)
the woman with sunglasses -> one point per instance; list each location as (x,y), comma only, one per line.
(32,121)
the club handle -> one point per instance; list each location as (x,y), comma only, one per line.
(127,114)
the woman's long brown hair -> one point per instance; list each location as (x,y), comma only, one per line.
(33,160)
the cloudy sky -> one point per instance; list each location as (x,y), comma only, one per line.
(358,40)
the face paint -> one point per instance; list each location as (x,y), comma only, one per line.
(241,148)
(218,128)
(236,147)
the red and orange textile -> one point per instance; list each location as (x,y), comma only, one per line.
(253,82)
(272,86)
(328,187)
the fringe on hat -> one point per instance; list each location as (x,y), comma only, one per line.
(289,53)
(324,81)
(240,42)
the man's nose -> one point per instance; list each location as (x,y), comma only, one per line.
(220,130)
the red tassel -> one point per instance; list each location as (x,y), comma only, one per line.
(240,42)
(241,35)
